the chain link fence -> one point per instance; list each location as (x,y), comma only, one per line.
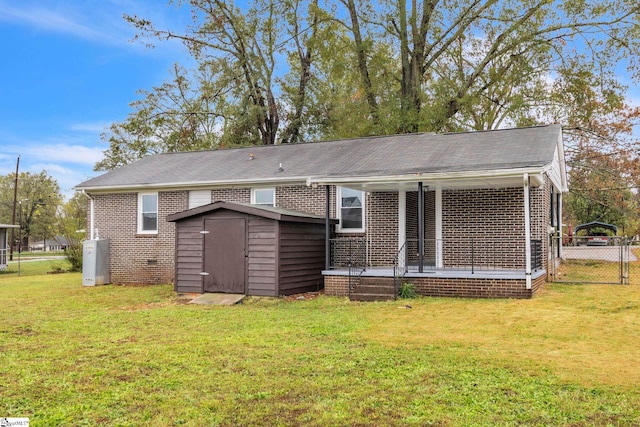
(591,259)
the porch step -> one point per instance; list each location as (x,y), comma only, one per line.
(373,289)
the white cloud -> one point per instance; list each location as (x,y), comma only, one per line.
(92,127)
(68,163)
(66,177)
(60,21)
(97,21)
(66,153)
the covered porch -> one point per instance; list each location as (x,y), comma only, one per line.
(448,235)
(481,269)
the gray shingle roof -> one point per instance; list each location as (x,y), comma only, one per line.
(362,157)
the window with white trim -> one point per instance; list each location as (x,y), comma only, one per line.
(350,210)
(148,213)
(263,196)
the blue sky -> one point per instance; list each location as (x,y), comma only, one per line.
(69,69)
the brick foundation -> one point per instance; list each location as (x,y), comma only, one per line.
(451,287)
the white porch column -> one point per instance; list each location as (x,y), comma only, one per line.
(402,218)
(527,230)
(439,262)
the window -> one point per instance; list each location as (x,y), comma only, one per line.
(199,198)
(350,209)
(148,213)
(263,196)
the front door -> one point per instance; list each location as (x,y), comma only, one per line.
(225,255)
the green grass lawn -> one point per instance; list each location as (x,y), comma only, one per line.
(132,356)
(25,267)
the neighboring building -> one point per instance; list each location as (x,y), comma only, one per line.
(57,243)
(459,214)
(5,231)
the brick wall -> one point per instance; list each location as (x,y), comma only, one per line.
(298,198)
(236,195)
(449,287)
(138,258)
(149,258)
(485,215)
(337,286)
(541,218)
(306,199)
(486,224)
(382,215)
(471,288)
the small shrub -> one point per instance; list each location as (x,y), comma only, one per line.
(74,256)
(407,291)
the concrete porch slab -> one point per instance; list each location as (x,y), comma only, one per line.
(217,299)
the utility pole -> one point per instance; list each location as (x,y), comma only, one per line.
(13,219)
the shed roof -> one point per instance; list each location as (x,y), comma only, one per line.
(420,154)
(278,214)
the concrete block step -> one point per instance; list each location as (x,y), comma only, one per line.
(374,289)
(377,281)
(370,297)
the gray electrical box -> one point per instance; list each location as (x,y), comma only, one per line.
(95,262)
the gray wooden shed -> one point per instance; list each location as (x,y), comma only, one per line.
(248,249)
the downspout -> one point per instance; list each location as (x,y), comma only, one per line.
(367,228)
(527,230)
(91,215)
(420,228)
(327,230)
(559,218)
(439,245)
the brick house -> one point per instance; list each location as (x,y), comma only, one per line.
(458,214)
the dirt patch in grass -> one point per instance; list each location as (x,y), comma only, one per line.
(306,296)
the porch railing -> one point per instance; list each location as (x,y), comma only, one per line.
(536,254)
(349,253)
(482,254)
(3,259)
(399,268)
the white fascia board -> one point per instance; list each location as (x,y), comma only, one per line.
(534,172)
(194,185)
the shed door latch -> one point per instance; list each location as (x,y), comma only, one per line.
(204,273)
(204,232)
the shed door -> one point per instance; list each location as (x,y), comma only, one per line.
(225,255)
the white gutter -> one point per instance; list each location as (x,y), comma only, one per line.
(527,231)
(311,181)
(195,184)
(423,177)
